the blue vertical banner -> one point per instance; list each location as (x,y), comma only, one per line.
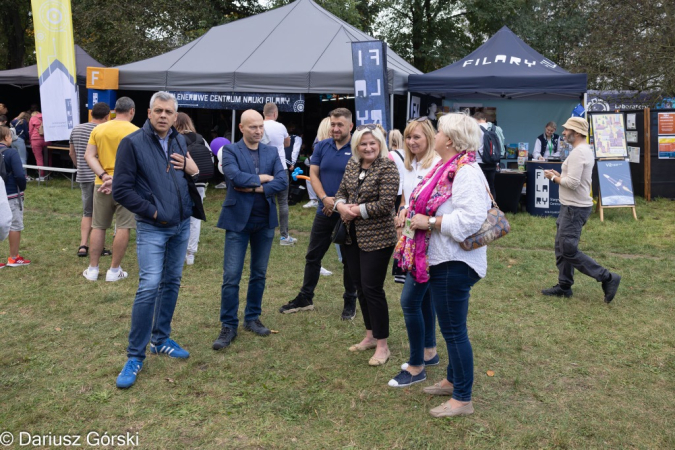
(370,83)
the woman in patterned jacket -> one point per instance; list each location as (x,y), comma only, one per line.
(365,201)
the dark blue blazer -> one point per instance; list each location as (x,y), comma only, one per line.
(239,171)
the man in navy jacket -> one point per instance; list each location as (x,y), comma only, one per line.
(254,174)
(152,180)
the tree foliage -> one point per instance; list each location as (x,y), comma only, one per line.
(16,38)
(121,32)
(621,45)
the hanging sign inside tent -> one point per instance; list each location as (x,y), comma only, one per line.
(239,100)
(371,97)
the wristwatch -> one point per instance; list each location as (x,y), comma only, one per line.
(432,223)
(103,173)
(195,176)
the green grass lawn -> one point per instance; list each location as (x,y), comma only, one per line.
(568,373)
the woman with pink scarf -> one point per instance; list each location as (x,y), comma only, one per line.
(447,206)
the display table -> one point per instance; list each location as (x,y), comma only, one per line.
(542,194)
(509,187)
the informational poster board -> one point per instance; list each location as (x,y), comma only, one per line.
(609,136)
(616,188)
(666,123)
(634,154)
(666,129)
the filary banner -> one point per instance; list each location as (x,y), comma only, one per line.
(55,51)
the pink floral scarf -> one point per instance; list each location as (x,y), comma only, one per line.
(426,198)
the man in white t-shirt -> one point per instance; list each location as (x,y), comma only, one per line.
(277,136)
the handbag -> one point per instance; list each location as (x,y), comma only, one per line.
(494,227)
(339,234)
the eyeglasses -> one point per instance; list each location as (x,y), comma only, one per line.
(418,119)
(367,126)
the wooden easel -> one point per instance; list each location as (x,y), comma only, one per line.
(600,208)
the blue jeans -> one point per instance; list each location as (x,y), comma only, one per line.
(420,318)
(450,284)
(236,242)
(161,251)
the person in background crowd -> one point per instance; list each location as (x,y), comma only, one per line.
(418,309)
(576,206)
(16,184)
(489,170)
(254,174)
(328,164)
(5,215)
(185,127)
(37,141)
(365,201)
(20,124)
(292,150)
(322,134)
(153,179)
(101,156)
(447,206)
(396,155)
(79,138)
(3,109)
(546,145)
(277,136)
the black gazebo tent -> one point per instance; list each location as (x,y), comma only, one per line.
(505,67)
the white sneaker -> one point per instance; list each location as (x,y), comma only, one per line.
(120,275)
(190,259)
(311,204)
(222,185)
(326,272)
(288,240)
(90,273)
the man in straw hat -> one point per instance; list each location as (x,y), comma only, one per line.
(576,206)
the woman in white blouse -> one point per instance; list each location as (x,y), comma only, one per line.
(418,311)
(449,205)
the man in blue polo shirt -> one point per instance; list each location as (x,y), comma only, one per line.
(328,164)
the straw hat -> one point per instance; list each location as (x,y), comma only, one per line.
(577,124)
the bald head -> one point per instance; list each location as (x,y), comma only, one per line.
(251,126)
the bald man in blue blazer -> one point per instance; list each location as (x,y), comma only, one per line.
(254,175)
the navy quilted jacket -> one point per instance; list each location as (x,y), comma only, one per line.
(145,181)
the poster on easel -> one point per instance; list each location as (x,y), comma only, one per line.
(609,136)
(616,186)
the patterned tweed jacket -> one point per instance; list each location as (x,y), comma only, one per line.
(378,192)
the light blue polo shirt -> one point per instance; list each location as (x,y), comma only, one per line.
(332,163)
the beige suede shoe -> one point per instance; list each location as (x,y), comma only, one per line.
(445,410)
(437,389)
(362,348)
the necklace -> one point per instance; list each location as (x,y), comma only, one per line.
(362,174)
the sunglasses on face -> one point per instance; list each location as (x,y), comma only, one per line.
(368,126)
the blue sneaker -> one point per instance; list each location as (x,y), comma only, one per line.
(170,348)
(405,378)
(127,376)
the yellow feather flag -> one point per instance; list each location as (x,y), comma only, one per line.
(55,50)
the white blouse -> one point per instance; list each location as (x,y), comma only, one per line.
(411,178)
(463,215)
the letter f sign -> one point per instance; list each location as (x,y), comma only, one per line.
(94,76)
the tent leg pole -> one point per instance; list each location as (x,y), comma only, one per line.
(234,118)
(407,108)
(391,111)
(585,106)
